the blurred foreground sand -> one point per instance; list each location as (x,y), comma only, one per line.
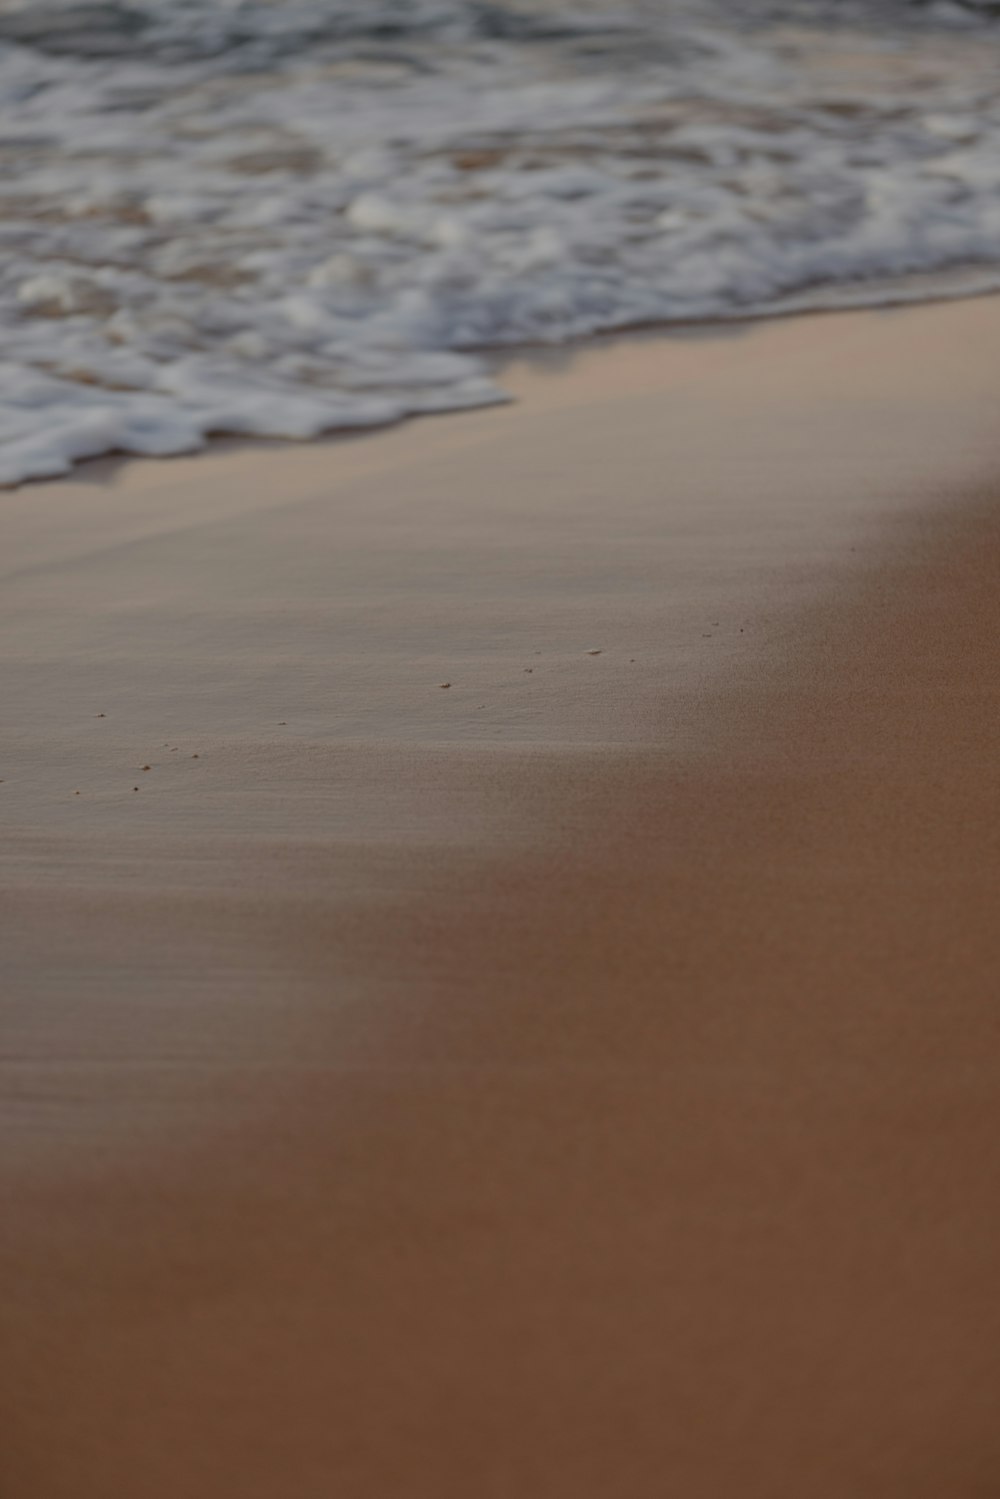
(579,1080)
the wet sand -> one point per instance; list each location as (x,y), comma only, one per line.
(577,1080)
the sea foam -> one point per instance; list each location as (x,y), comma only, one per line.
(285,217)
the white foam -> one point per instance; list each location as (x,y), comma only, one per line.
(284,217)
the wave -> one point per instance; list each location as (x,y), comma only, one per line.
(283,217)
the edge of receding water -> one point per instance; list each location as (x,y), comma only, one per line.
(958,283)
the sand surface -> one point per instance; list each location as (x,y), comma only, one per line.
(577,1080)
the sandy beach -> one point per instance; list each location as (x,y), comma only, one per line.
(500,941)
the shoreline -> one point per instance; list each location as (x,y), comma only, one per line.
(914,290)
(587,1096)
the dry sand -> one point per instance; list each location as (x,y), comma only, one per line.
(579,1080)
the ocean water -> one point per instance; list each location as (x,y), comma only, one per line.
(284,217)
